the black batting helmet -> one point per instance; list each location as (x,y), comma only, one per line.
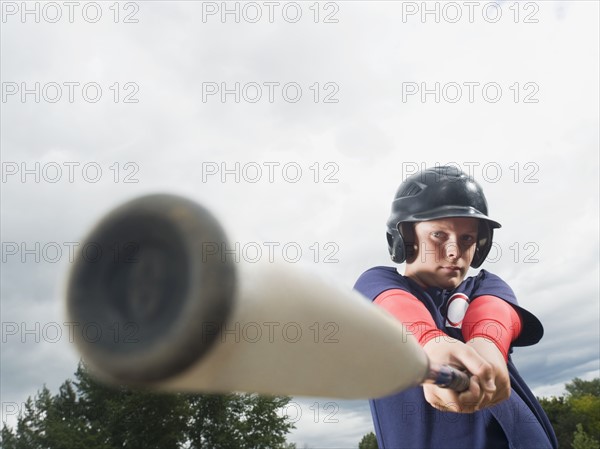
(440,192)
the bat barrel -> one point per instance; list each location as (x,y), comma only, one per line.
(154,271)
(173,312)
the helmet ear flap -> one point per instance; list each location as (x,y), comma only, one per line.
(400,242)
(407,231)
(484,243)
(396,246)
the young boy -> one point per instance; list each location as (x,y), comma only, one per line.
(439,227)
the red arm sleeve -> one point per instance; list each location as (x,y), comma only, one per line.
(493,318)
(411,312)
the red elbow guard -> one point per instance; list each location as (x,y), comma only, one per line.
(411,312)
(493,318)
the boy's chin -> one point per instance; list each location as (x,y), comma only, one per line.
(449,284)
(437,280)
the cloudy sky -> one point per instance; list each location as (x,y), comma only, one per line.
(294,123)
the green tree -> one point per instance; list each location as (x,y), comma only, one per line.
(64,427)
(9,439)
(30,431)
(263,426)
(86,413)
(212,421)
(245,421)
(587,410)
(578,387)
(369,441)
(125,418)
(559,413)
(582,440)
(580,406)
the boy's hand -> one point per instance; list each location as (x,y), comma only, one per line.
(490,383)
(490,352)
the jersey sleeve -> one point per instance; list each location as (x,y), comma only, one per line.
(531,327)
(411,312)
(494,319)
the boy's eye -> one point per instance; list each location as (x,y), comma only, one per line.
(468,238)
(437,234)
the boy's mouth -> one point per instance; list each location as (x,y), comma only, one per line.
(452,268)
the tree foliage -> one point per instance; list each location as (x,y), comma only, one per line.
(575,416)
(86,413)
(578,387)
(582,440)
(369,441)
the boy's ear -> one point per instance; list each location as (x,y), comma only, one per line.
(407,231)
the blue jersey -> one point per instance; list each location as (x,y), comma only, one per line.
(405,420)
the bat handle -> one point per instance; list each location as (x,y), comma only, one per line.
(447,377)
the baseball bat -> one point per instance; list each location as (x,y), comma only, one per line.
(162,304)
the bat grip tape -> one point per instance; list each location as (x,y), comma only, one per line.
(445,376)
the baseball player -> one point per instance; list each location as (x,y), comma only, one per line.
(440,226)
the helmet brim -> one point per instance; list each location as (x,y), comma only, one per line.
(452,212)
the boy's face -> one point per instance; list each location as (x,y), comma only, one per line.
(444,250)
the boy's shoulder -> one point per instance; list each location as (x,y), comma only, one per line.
(483,283)
(379,279)
(487,283)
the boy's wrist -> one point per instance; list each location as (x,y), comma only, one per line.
(488,349)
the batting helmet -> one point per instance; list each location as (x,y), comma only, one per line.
(434,193)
